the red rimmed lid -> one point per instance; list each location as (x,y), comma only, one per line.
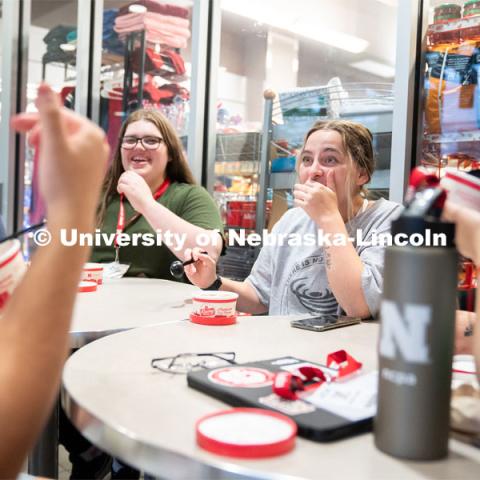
(212,320)
(92,269)
(246,433)
(215,296)
(85,286)
(214,300)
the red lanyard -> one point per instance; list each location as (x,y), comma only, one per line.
(340,364)
(121,225)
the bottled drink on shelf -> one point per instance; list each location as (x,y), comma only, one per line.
(444,14)
(453,59)
(470,8)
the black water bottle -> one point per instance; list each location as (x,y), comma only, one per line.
(417,334)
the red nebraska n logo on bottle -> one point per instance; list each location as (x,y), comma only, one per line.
(404,330)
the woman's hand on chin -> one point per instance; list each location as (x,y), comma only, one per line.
(318,200)
(136,189)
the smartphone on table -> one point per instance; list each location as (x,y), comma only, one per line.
(325,322)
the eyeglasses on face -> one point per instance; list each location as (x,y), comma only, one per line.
(149,142)
(190,362)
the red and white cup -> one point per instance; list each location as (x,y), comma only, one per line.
(215,304)
(12,269)
(93,272)
(463,189)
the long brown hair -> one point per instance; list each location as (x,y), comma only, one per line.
(357,142)
(177,169)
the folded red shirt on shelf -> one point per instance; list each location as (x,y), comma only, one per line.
(135,21)
(154,38)
(163,63)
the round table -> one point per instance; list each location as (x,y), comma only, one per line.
(147,417)
(127,303)
(116,305)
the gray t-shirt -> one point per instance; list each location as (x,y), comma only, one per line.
(293,279)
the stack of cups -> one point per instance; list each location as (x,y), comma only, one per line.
(92,276)
(12,268)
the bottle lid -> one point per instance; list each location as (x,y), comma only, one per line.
(450,7)
(203,320)
(472,11)
(246,433)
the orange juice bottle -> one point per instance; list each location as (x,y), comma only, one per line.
(441,42)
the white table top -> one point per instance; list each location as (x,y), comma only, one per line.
(147,417)
(127,303)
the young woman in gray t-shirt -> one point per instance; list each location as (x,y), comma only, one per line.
(322,257)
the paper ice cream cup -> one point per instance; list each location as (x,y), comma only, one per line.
(463,370)
(215,304)
(12,269)
(463,189)
(93,272)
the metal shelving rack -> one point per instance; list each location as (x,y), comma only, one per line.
(368,103)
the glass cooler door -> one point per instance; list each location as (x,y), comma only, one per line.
(284,46)
(451,102)
(146,51)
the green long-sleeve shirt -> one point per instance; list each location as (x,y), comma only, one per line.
(192,203)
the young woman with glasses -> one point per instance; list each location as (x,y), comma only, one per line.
(150,180)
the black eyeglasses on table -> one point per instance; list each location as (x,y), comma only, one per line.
(189,362)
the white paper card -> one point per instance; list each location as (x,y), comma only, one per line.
(354,398)
(115,270)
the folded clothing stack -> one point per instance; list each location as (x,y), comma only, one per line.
(56,37)
(111,42)
(157,6)
(164,29)
(166,63)
(163,24)
(165,94)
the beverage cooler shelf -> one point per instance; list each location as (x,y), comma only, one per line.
(451,137)
(452,25)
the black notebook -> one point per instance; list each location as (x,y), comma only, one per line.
(250,385)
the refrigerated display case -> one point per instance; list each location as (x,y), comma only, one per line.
(282,45)
(144,53)
(106,60)
(238,157)
(450,104)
